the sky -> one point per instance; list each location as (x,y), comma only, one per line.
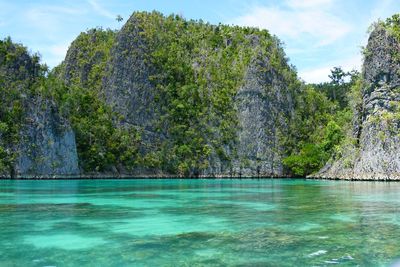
(317,34)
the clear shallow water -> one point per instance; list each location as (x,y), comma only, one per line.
(199,222)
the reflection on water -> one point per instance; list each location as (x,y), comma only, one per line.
(199,222)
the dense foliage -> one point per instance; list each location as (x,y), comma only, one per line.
(393,25)
(322,116)
(101,145)
(198,69)
(19,74)
(90,51)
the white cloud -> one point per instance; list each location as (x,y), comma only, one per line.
(54,24)
(49,18)
(52,54)
(308,20)
(309,3)
(58,52)
(315,75)
(320,74)
(101,10)
(381,10)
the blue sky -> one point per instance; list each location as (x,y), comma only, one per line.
(318,34)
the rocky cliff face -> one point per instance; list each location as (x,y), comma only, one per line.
(47,146)
(374,151)
(39,142)
(261,103)
(127,85)
(85,62)
(205,100)
(166,96)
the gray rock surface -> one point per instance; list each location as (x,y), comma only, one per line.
(262,103)
(47,147)
(127,87)
(87,48)
(375,152)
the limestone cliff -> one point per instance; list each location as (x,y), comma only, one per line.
(163,96)
(38,142)
(47,143)
(263,103)
(127,85)
(260,102)
(373,152)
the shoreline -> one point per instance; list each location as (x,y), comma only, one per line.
(174,177)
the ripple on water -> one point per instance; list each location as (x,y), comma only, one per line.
(300,227)
(317,253)
(343,217)
(206,253)
(163,224)
(392,218)
(249,205)
(340,260)
(392,198)
(63,241)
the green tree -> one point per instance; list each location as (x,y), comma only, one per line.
(119,18)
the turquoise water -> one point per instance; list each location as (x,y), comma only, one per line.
(199,223)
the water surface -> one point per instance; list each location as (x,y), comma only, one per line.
(199,222)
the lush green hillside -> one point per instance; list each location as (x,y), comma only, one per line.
(18,74)
(173,96)
(78,89)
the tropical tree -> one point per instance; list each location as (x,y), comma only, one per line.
(119,18)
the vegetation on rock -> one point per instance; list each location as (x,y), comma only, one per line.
(19,74)
(196,72)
